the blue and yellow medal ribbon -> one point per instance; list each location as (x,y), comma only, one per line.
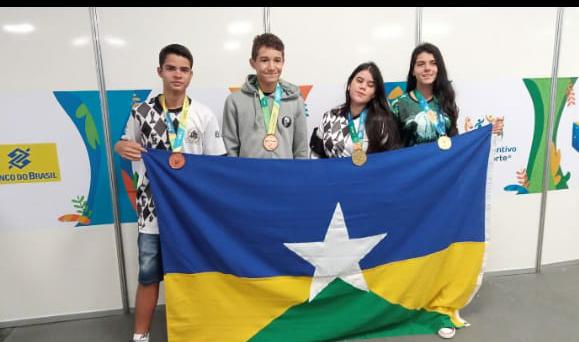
(435,117)
(176,138)
(357,135)
(270,118)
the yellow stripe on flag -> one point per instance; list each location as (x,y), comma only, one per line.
(220,307)
(443,281)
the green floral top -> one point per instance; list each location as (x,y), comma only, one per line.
(415,125)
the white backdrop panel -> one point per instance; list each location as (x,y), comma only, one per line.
(219,39)
(490,43)
(562,217)
(324,45)
(493,44)
(56,55)
(49,267)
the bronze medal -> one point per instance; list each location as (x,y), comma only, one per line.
(444,142)
(358,155)
(270,142)
(176,160)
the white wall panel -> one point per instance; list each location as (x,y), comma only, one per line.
(56,55)
(324,45)
(219,38)
(58,271)
(562,216)
(49,267)
(495,45)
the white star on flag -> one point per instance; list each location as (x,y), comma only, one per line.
(337,256)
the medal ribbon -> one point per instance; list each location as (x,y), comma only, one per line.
(270,118)
(176,138)
(439,125)
(357,135)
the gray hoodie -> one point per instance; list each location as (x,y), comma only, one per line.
(244,128)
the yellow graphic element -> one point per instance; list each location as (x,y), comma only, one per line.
(207,305)
(468,126)
(29,163)
(83,213)
(442,282)
(555,163)
(135,100)
(396,92)
(74,218)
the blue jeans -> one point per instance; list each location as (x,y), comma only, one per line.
(150,261)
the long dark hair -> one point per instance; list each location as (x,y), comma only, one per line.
(382,130)
(442,88)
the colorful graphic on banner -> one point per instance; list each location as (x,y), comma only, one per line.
(83,108)
(394,90)
(120,103)
(530,178)
(28,163)
(82,214)
(502,153)
(570,103)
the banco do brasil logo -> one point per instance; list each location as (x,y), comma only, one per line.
(29,163)
(19,158)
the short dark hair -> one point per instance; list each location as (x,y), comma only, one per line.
(175,49)
(269,40)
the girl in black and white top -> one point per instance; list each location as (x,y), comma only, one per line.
(364,122)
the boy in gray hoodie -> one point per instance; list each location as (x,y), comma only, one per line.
(266,118)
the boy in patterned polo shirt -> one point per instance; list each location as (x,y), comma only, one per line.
(148,127)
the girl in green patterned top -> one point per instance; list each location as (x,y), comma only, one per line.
(427,110)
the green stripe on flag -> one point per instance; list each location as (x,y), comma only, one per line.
(342,311)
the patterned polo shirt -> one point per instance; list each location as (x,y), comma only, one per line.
(147,126)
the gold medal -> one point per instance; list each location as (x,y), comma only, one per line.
(358,155)
(177,160)
(444,142)
(270,142)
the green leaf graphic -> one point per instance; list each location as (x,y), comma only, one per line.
(82,111)
(91,131)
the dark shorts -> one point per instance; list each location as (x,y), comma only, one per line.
(150,261)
